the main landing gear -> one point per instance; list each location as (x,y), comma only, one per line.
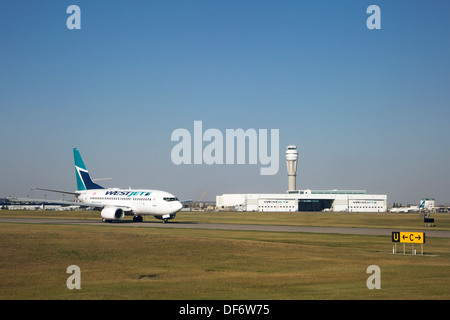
(137,219)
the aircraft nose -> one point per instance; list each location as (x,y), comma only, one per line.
(179,206)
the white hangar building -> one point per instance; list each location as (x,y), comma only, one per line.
(304,200)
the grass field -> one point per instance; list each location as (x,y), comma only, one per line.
(166,263)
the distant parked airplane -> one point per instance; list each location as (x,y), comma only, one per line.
(423,205)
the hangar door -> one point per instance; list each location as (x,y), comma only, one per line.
(314,204)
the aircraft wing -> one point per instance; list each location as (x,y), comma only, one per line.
(57,202)
(58,191)
(66,203)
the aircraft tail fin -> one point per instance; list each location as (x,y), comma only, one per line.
(84,181)
(422,204)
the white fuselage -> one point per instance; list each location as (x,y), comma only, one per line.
(138,201)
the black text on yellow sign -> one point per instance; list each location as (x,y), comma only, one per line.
(408,237)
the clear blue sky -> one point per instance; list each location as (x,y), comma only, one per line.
(368,109)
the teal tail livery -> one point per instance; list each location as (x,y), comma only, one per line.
(84,181)
(116,203)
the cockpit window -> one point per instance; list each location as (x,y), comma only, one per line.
(170,199)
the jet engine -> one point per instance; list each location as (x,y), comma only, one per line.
(112,213)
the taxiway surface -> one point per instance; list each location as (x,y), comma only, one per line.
(223,226)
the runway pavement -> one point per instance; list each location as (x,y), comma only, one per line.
(223,226)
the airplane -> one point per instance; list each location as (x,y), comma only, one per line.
(116,203)
(410,209)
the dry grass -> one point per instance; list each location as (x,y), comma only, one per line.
(155,263)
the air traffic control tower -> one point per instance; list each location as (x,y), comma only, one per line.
(291,164)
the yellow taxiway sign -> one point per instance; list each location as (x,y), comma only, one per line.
(408,237)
